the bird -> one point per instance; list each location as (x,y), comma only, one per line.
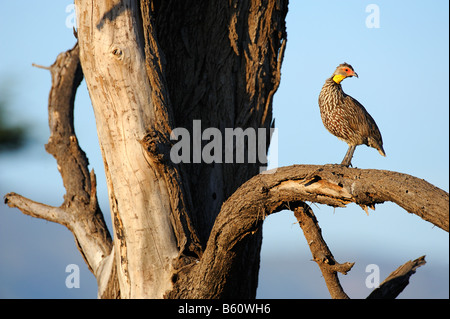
(346,118)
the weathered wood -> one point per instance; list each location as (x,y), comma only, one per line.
(222,65)
(394,284)
(151,65)
(80,212)
(187,230)
(114,64)
(320,251)
(243,213)
(157,143)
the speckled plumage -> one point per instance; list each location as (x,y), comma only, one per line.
(346,118)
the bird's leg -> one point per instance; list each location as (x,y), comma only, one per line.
(347,161)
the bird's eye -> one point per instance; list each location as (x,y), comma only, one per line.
(346,70)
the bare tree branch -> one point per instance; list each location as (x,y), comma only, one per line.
(243,213)
(38,210)
(131,110)
(80,211)
(224,74)
(320,251)
(394,284)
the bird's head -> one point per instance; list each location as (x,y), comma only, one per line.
(342,71)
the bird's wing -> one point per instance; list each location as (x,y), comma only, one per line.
(361,121)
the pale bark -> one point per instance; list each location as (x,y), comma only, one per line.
(114,65)
(126,72)
(187,230)
(124,69)
(79,212)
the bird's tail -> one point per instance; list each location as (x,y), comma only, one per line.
(377,144)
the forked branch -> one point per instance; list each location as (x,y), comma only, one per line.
(242,214)
(80,211)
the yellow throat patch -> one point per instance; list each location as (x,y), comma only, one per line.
(338,78)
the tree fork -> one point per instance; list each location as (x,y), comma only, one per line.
(79,212)
(148,68)
(334,185)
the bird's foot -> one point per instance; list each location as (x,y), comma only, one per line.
(346,164)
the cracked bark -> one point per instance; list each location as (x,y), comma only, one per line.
(191,230)
(394,284)
(79,212)
(320,251)
(242,214)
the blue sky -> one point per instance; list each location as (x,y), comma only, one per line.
(403,83)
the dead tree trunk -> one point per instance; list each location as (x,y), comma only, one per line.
(184,229)
(152,66)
